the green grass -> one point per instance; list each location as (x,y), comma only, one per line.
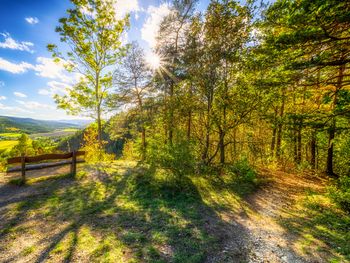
(5,145)
(136,215)
(320,225)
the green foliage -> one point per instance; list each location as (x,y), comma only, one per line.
(177,158)
(24,146)
(340,193)
(95,151)
(130,151)
(244,171)
(92,32)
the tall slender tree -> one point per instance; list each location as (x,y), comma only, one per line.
(92,32)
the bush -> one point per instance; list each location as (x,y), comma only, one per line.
(95,152)
(177,158)
(340,193)
(244,171)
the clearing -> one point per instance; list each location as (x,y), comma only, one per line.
(127,213)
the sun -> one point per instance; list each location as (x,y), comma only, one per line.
(153,61)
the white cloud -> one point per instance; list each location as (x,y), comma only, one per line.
(14,68)
(20,94)
(150,28)
(32,20)
(54,87)
(10,43)
(35,105)
(48,68)
(10,110)
(123,7)
(2,98)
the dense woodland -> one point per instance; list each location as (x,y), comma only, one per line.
(268,83)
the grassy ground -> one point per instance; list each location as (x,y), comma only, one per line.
(137,216)
(319,224)
(128,213)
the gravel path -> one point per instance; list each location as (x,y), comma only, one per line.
(258,237)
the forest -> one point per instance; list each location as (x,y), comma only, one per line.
(238,107)
(239,81)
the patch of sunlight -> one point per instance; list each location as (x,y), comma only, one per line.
(65,247)
(109,249)
(217,198)
(159,237)
(86,242)
(98,192)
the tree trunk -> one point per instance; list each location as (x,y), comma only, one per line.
(274,130)
(189,123)
(332,128)
(222,146)
(143,143)
(273,140)
(331,135)
(313,150)
(171,114)
(235,144)
(279,130)
(299,142)
(99,126)
(205,154)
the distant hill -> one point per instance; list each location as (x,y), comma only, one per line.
(79,122)
(29,125)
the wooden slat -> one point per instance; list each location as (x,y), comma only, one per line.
(41,166)
(51,156)
(34,159)
(80,153)
(14,160)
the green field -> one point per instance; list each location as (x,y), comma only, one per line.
(10,135)
(4,145)
(70,130)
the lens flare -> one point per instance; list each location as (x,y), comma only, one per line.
(153,60)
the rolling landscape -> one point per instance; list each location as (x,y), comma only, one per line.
(12,128)
(180,131)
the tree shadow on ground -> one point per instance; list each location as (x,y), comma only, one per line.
(133,216)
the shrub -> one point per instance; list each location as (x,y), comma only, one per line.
(244,171)
(340,193)
(177,158)
(95,152)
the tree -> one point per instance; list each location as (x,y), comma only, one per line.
(133,85)
(316,33)
(92,33)
(24,146)
(170,46)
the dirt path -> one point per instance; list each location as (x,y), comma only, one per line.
(258,236)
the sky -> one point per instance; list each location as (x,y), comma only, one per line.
(28,76)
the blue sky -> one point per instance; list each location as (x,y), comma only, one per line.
(28,76)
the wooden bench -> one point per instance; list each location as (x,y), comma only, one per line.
(23,160)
